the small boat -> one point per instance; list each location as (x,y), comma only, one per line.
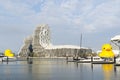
(103,61)
(1,56)
(96,58)
(9,58)
(0,59)
(118,60)
(90,59)
(76,58)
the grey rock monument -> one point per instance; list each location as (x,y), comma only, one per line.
(24,49)
(39,40)
(41,45)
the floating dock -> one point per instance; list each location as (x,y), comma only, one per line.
(102,62)
(83,61)
(116,64)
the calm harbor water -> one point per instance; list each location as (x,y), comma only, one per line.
(57,69)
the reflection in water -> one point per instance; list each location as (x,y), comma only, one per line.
(76,64)
(117,72)
(30,60)
(107,69)
(41,69)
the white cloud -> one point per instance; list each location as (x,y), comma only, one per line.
(75,12)
(105,15)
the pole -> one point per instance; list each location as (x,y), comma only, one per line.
(7,59)
(81,40)
(114,60)
(80,44)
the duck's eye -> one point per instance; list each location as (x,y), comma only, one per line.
(103,48)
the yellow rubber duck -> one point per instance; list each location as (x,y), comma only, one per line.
(8,53)
(106,51)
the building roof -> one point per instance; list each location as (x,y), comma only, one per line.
(63,46)
(116,38)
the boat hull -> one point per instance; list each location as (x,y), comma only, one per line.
(9,59)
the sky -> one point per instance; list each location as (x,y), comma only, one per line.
(97,20)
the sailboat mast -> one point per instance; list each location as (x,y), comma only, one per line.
(81,40)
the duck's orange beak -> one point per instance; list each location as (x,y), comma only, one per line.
(107,49)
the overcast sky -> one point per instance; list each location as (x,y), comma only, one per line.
(97,20)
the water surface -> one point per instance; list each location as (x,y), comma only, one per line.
(57,69)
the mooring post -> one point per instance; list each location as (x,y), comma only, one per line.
(91,58)
(7,59)
(114,59)
(66,57)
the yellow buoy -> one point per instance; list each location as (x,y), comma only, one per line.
(107,51)
(8,53)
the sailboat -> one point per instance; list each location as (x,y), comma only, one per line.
(8,58)
(76,58)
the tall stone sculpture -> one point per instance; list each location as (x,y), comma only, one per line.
(41,45)
(24,49)
(39,41)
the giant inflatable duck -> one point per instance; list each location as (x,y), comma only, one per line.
(8,53)
(106,51)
